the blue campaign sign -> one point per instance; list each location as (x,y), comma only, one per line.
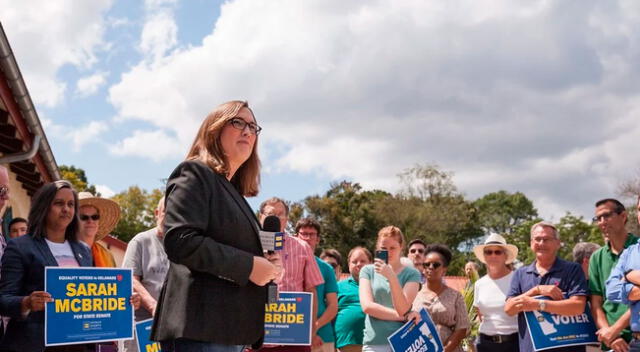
(288,321)
(549,330)
(143,332)
(90,305)
(422,337)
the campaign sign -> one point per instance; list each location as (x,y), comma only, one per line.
(288,321)
(549,330)
(143,332)
(421,337)
(89,305)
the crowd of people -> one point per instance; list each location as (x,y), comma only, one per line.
(203,276)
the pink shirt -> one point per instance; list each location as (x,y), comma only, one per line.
(300,268)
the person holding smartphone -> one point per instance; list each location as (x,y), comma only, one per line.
(386,287)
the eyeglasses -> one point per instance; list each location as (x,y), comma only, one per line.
(241,124)
(434,265)
(493,251)
(94,217)
(418,250)
(604,216)
(4,191)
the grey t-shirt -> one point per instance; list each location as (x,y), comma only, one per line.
(146,256)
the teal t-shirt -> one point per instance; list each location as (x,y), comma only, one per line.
(376,331)
(350,319)
(330,285)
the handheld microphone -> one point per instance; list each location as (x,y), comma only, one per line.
(268,238)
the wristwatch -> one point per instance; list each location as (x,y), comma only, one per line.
(542,305)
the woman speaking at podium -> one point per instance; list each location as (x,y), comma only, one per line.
(214,295)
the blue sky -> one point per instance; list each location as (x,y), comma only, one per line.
(532,96)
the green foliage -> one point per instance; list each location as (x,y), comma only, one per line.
(347,215)
(136,211)
(500,212)
(429,207)
(472,313)
(78,179)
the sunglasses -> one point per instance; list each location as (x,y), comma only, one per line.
(414,250)
(94,217)
(492,252)
(434,265)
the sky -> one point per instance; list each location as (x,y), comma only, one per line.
(540,97)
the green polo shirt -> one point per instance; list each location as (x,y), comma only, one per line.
(600,265)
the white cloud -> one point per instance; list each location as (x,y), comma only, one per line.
(516,95)
(159,35)
(87,133)
(46,35)
(154,145)
(105,191)
(88,85)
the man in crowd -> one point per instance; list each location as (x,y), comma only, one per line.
(301,272)
(612,319)
(332,257)
(548,276)
(308,230)
(17,227)
(582,253)
(416,255)
(623,286)
(146,256)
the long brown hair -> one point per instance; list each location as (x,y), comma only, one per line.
(207,148)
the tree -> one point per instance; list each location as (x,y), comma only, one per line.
(431,208)
(78,179)
(136,211)
(347,215)
(501,212)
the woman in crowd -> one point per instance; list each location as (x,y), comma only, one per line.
(384,286)
(350,319)
(214,295)
(498,331)
(51,241)
(444,304)
(98,217)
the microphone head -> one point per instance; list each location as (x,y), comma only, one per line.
(271,224)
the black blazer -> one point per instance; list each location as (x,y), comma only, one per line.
(23,265)
(211,237)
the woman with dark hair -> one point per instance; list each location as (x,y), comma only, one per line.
(213,298)
(445,305)
(51,241)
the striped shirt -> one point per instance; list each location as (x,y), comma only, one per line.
(301,271)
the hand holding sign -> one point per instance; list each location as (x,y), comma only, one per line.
(36,301)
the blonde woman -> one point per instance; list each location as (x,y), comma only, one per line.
(386,288)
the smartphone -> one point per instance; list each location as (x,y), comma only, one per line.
(384,255)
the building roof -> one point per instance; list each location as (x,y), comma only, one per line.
(20,124)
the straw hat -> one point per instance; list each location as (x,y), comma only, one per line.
(496,240)
(109,212)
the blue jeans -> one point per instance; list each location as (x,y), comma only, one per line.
(186,345)
(634,346)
